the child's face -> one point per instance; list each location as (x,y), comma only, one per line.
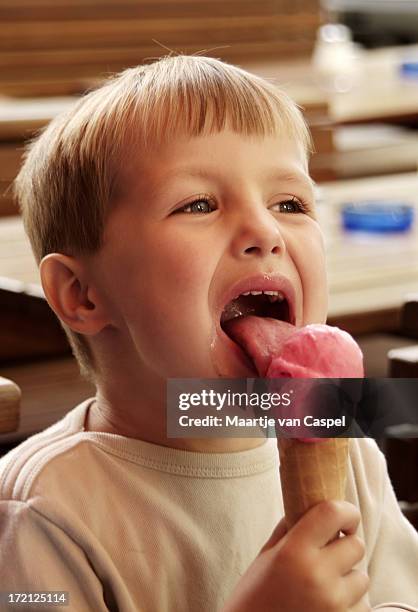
(167,267)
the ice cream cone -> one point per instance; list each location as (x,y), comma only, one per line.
(311,473)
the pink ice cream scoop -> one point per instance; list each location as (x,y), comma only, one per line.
(317,351)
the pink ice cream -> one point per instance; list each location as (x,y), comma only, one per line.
(281,350)
(317,351)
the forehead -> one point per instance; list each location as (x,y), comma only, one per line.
(223,153)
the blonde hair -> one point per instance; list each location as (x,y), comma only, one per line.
(72,170)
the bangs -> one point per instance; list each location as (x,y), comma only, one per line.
(183,95)
(197,96)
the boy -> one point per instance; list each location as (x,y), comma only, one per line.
(145,206)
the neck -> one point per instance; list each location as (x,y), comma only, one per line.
(103,417)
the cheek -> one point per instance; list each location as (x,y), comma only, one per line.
(160,266)
(186,261)
(309,258)
(157,283)
(164,296)
(181,267)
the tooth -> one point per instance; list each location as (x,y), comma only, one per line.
(256,292)
(270,292)
(246,293)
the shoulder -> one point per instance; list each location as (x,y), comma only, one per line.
(29,467)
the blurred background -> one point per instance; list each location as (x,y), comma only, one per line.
(352,66)
(377,23)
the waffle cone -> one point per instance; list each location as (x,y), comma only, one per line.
(311,473)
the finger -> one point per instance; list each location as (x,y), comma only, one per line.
(279,531)
(345,553)
(356,584)
(322,522)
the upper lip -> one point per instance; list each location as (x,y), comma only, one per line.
(259,282)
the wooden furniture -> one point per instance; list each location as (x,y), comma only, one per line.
(401,451)
(409,316)
(367,150)
(20,119)
(369,275)
(403,361)
(9,405)
(401,443)
(381,93)
(58,48)
(50,388)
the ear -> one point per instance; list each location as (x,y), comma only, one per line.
(70,296)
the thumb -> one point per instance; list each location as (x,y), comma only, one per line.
(279,531)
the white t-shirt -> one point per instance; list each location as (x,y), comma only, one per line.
(125,525)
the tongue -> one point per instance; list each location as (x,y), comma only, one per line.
(260,337)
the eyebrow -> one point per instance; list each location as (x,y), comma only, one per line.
(272,174)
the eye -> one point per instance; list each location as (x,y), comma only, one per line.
(292,205)
(200,205)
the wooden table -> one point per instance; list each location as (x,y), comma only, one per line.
(28,327)
(379,94)
(369,276)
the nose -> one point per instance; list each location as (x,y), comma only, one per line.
(258,234)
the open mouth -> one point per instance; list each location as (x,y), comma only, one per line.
(271,304)
(261,304)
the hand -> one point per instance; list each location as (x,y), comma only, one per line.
(307,568)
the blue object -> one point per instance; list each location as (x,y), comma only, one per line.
(378,216)
(410,68)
